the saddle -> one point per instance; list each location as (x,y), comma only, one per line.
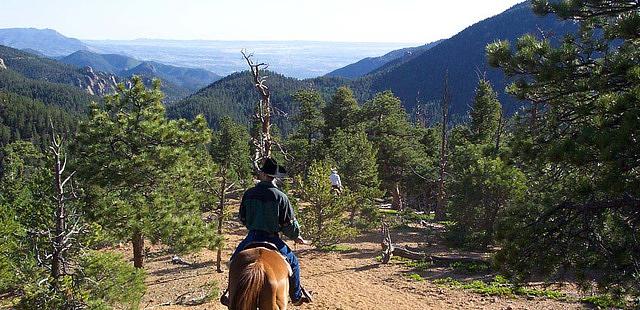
(262,244)
(269,246)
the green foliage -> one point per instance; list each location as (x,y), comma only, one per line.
(605,301)
(341,112)
(576,144)
(324,219)
(499,286)
(304,144)
(92,279)
(230,150)
(355,158)
(235,96)
(486,113)
(481,188)
(101,281)
(68,97)
(470,267)
(415,277)
(419,265)
(22,118)
(389,130)
(108,280)
(337,248)
(144,170)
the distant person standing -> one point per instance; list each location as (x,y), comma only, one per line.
(336,184)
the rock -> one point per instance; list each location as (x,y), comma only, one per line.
(96,82)
(177,260)
(2,65)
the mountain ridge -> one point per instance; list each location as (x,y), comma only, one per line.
(49,42)
(369,64)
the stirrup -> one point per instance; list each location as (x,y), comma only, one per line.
(305,298)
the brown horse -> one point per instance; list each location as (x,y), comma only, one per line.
(258,278)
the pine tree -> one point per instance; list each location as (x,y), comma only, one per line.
(304,144)
(355,159)
(389,130)
(341,112)
(482,187)
(585,210)
(486,113)
(139,166)
(323,219)
(230,151)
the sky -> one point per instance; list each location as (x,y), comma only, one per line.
(407,21)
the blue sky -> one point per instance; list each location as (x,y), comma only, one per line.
(418,21)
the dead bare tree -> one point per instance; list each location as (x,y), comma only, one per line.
(389,250)
(262,141)
(64,234)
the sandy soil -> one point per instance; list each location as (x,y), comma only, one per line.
(345,280)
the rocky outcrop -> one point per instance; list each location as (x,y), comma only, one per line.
(97,83)
(2,65)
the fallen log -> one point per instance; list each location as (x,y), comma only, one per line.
(389,250)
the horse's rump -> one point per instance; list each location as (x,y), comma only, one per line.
(258,276)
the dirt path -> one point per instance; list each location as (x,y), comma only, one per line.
(340,280)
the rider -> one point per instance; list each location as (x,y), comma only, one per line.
(336,184)
(266,211)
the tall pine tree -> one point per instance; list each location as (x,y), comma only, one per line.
(585,213)
(140,166)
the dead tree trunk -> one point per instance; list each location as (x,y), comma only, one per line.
(222,197)
(262,141)
(62,236)
(446,99)
(499,132)
(389,250)
(398,203)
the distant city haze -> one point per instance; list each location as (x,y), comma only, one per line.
(300,59)
(402,21)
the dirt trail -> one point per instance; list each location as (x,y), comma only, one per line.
(344,280)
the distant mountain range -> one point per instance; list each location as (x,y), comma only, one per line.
(370,64)
(191,79)
(416,77)
(44,41)
(92,82)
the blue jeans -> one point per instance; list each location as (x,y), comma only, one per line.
(295,289)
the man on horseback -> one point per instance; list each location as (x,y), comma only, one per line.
(266,212)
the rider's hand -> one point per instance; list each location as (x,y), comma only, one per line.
(300,240)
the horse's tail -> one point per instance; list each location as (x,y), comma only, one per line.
(251,282)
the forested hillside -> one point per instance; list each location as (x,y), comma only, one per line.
(235,96)
(462,58)
(111,63)
(68,97)
(44,69)
(191,79)
(22,118)
(370,64)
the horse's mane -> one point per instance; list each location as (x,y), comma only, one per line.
(252,278)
